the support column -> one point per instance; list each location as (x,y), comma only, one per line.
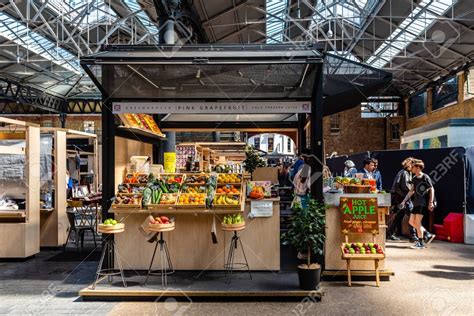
(317,137)
(301,132)
(216,137)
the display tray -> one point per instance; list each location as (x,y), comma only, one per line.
(233,227)
(130,194)
(118,228)
(195,206)
(161,227)
(192,285)
(366,256)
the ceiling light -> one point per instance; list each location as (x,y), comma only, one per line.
(198,74)
(253,82)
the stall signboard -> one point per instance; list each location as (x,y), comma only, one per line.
(248,107)
(262,208)
(169,162)
(359,215)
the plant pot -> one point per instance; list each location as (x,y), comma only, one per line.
(309,277)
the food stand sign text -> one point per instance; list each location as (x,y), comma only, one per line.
(359,215)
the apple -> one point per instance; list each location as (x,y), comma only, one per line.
(346,250)
(164,219)
(351,251)
(376,246)
(379,250)
(353,245)
(347,245)
(371,245)
(359,244)
(373,250)
(114,222)
(362,250)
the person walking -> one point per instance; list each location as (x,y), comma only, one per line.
(400,188)
(302,183)
(422,194)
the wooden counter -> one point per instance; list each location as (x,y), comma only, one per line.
(190,244)
(334,237)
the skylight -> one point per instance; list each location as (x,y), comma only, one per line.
(142,16)
(97,11)
(355,11)
(18,33)
(411,28)
(276,14)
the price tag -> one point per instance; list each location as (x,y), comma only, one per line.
(261,208)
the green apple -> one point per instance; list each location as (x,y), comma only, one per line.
(114,222)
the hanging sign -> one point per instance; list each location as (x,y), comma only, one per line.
(359,215)
(266,107)
(169,162)
(261,208)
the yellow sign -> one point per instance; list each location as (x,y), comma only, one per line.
(170,162)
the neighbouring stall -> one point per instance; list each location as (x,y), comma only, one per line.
(20,189)
(66,155)
(208,215)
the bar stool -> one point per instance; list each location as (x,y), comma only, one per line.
(166,267)
(111,252)
(230,265)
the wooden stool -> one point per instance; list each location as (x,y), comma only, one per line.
(372,256)
(109,249)
(166,264)
(230,265)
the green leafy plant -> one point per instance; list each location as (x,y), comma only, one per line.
(307,231)
(252,159)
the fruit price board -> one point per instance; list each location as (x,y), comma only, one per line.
(359,215)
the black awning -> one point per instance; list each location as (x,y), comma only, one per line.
(231,73)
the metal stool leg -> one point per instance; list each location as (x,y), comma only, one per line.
(119,263)
(151,263)
(101,261)
(245,258)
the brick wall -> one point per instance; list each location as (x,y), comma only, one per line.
(462,109)
(358,134)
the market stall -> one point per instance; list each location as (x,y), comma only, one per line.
(20,185)
(60,149)
(277,88)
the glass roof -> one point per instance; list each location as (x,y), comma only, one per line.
(354,11)
(143,17)
(276,16)
(415,25)
(18,33)
(70,10)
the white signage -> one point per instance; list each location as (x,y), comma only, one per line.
(261,208)
(253,107)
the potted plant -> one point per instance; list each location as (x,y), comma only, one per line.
(306,233)
(252,160)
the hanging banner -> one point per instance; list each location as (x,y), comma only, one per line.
(264,107)
(359,215)
(170,162)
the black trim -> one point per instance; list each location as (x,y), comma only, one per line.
(227,125)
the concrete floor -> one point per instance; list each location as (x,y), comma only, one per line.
(434,281)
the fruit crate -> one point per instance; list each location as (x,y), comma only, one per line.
(221,176)
(196,178)
(361,256)
(162,206)
(237,206)
(179,204)
(137,204)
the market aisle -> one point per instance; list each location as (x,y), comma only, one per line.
(439,280)
(436,281)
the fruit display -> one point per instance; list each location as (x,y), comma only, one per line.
(229,188)
(199,179)
(192,199)
(361,248)
(167,199)
(228,168)
(127,201)
(233,219)
(224,199)
(143,121)
(193,189)
(170,183)
(259,189)
(136,178)
(160,220)
(229,178)
(126,189)
(110,222)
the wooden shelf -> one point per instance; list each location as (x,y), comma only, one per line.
(174,211)
(46,210)
(142,132)
(13,214)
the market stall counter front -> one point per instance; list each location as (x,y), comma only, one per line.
(190,244)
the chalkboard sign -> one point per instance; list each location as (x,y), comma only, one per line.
(359,215)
